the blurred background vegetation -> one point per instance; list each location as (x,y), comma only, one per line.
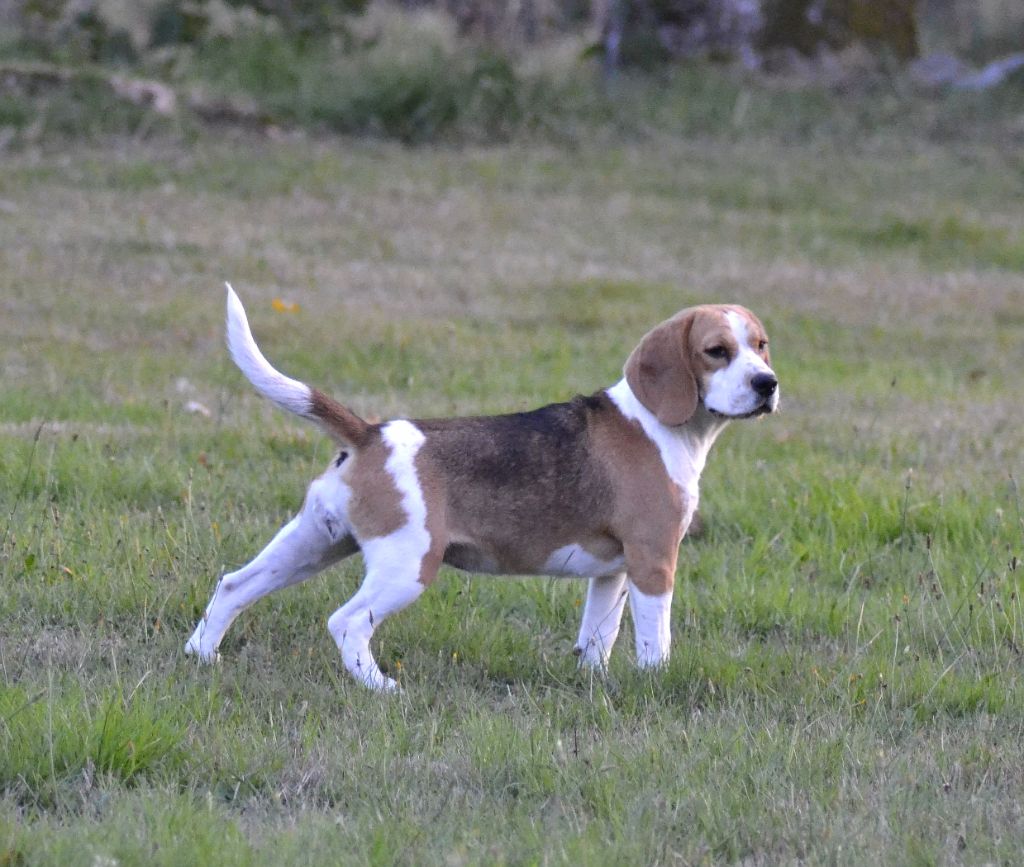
(479,70)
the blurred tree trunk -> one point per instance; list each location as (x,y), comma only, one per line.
(644,32)
(809,25)
(611,15)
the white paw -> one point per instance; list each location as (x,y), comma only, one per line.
(592,657)
(651,658)
(380,682)
(194,647)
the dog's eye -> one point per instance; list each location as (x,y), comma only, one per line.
(718,352)
(762,345)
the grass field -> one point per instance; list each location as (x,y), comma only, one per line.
(845,685)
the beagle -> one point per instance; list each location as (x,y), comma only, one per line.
(602,487)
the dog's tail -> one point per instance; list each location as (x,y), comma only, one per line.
(338,421)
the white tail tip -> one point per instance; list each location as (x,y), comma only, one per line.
(290,394)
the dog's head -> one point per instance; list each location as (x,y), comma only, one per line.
(714,356)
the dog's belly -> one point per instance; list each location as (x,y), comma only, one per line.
(470,558)
(575,559)
(593,560)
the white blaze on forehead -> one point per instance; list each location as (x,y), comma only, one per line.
(740,327)
(738,324)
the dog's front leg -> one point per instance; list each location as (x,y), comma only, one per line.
(651,580)
(651,622)
(602,615)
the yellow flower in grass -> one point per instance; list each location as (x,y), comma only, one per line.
(282,306)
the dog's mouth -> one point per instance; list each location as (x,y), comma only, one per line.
(765,408)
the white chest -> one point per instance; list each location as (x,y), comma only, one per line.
(683,450)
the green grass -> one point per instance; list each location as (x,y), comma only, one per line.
(845,683)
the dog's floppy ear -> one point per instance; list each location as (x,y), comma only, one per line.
(660,371)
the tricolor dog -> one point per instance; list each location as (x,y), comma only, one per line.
(602,487)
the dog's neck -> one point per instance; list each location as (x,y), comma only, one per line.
(684,448)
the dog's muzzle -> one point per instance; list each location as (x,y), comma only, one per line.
(766,387)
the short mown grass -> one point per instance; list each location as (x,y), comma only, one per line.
(845,683)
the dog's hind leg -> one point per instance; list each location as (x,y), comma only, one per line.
(392,582)
(400,561)
(314,539)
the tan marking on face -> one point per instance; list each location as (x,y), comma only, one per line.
(711,332)
(375,507)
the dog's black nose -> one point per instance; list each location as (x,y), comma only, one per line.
(764,384)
